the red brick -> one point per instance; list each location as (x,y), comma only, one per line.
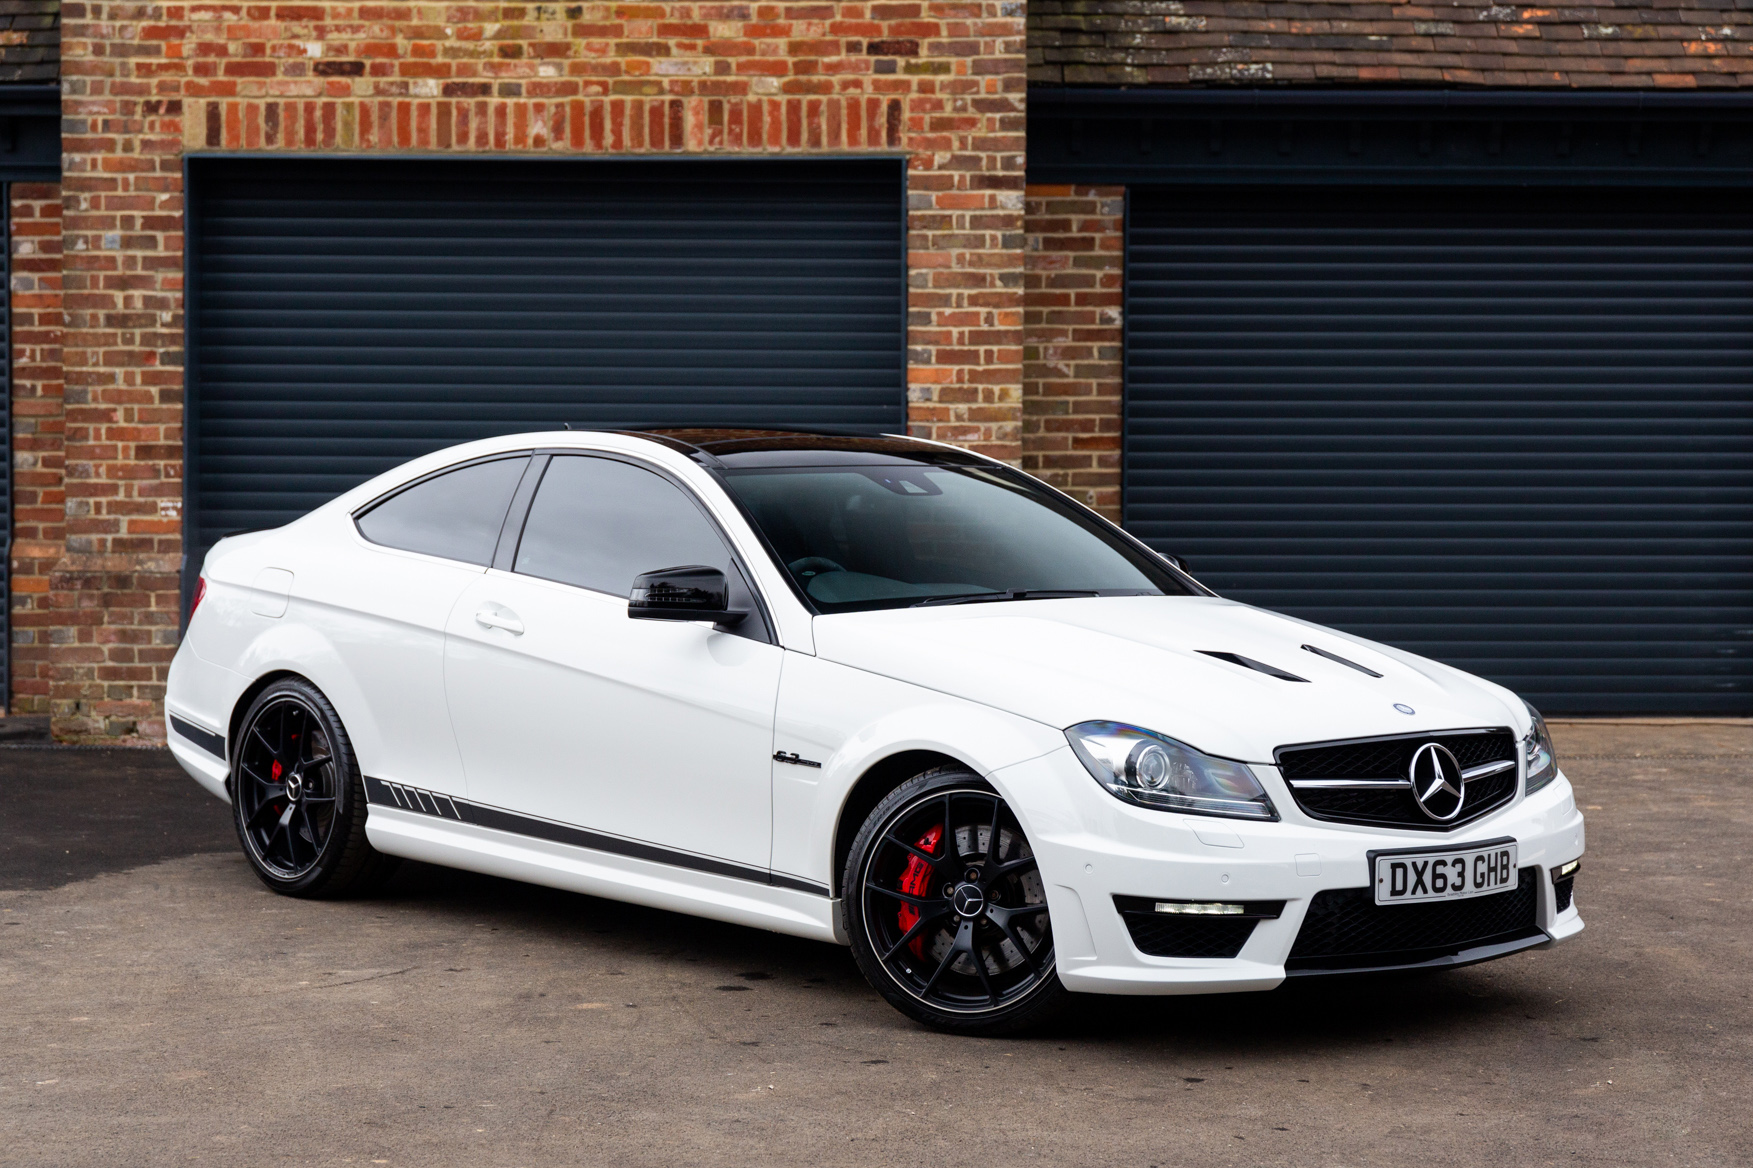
(1072,340)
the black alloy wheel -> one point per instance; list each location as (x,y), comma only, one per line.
(947,911)
(297,799)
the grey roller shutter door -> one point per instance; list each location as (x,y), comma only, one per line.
(349,314)
(1510,429)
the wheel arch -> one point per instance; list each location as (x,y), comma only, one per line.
(250,693)
(872,787)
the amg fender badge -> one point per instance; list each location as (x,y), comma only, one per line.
(794,760)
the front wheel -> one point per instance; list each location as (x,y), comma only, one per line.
(946,909)
(297,799)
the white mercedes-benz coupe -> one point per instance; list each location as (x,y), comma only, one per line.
(873,691)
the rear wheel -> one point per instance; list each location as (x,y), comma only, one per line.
(297,798)
(946,909)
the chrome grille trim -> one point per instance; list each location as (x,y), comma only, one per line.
(1367,781)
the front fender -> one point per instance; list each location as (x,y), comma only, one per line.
(849,721)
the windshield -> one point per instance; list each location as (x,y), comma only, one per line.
(867,537)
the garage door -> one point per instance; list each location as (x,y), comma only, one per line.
(348,314)
(1511,429)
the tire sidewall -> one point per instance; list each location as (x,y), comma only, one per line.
(347,803)
(1029,1010)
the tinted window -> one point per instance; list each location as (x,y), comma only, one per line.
(456,515)
(598,523)
(883,536)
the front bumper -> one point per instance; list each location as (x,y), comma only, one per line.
(1093,848)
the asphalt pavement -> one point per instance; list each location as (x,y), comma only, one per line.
(161,1007)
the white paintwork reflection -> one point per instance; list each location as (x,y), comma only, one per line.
(651,730)
(384,611)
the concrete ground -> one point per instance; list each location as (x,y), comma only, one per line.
(160,1007)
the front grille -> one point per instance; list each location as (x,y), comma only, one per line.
(1346,929)
(1391,758)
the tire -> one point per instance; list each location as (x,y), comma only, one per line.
(297,799)
(946,909)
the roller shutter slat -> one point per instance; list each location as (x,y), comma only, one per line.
(1510,429)
(348,315)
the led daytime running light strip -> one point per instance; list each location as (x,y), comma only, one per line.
(1201,910)
(1558,873)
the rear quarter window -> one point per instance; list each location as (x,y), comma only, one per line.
(456,515)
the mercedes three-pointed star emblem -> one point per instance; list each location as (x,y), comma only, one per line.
(1437,782)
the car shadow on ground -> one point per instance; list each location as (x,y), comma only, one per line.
(1328,1012)
(70,815)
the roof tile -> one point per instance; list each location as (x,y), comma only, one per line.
(1649,43)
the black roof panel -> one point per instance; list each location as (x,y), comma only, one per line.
(747,448)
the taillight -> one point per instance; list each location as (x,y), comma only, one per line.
(200,591)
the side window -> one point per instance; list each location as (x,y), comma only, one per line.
(597,523)
(456,515)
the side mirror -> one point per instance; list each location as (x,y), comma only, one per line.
(693,593)
(1177,561)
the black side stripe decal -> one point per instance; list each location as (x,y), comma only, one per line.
(213,744)
(388,794)
(413,799)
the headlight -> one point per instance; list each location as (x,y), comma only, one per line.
(1537,750)
(1153,771)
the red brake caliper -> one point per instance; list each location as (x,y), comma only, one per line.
(915,880)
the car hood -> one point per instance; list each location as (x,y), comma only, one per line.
(1138,659)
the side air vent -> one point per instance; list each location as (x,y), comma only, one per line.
(1341,660)
(1250,663)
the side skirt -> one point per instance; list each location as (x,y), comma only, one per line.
(455,835)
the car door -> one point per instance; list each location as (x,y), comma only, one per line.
(568,710)
(382,603)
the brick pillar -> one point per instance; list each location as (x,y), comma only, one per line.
(38,500)
(1073,337)
(965,241)
(115,591)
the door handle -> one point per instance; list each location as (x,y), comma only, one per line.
(500,620)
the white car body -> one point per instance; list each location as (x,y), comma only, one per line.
(657,778)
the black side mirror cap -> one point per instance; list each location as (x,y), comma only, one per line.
(690,593)
(1177,561)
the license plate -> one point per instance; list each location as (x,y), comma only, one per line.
(1449,874)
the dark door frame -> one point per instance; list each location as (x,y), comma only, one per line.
(1441,136)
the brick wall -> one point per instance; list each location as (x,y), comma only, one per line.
(1637,44)
(1072,335)
(38,501)
(143,83)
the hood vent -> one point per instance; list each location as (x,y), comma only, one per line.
(1250,663)
(1341,660)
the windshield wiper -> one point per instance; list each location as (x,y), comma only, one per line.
(1007,594)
